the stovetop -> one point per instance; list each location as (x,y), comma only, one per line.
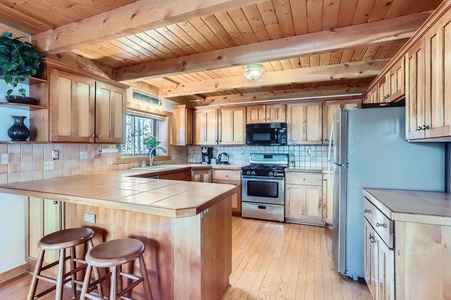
(264,170)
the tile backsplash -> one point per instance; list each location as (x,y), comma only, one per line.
(304,157)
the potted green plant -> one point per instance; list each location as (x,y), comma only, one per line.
(18,60)
(150,142)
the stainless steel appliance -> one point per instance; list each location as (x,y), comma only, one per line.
(368,150)
(266,134)
(223,158)
(263,187)
(207,154)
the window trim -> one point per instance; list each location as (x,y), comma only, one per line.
(139,158)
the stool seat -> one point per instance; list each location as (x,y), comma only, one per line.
(66,238)
(115,252)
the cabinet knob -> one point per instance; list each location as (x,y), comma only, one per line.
(55,202)
(371,238)
(384,225)
(367,211)
(93,135)
(99,136)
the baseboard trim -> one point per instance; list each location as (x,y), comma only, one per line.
(13,273)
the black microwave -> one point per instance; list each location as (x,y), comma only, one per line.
(266,134)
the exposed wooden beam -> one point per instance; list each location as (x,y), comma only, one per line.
(137,17)
(285,48)
(334,90)
(314,74)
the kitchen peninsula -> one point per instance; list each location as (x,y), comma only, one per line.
(186,226)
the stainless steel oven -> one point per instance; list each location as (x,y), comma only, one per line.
(263,187)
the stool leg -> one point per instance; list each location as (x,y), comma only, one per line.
(73,266)
(145,277)
(113,289)
(84,289)
(37,271)
(61,272)
(96,272)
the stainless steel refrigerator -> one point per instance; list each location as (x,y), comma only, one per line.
(368,150)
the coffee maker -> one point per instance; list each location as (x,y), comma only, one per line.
(207,154)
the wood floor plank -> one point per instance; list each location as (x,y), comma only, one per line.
(270,260)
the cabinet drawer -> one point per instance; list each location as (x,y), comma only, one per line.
(226,175)
(380,222)
(304,178)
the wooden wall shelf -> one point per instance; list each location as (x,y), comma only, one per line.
(23,106)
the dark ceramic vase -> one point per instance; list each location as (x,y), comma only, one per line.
(18,131)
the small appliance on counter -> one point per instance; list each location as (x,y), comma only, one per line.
(223,159)
(207,155)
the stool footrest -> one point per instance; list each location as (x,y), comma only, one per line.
(130,287)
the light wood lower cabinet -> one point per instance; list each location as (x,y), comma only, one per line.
(44,217)
(201,175)
(304,198)
(230,177)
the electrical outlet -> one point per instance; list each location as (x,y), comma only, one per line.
(173,156)
(4,158)
(90,218)
(55,154)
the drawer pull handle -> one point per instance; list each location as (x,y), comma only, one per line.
(367,211)
(381,225)
(261,207)
(371,238)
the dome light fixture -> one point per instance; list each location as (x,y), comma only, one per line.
(253,71)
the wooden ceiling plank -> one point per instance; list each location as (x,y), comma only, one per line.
(330,13)
(358,54)
(94,55)
(314,15)
(396,8)
(362,12)
(315,43)
(335,57)
(286,65)
(285,94)
(305,61)
(206,32)
(383,50)
(283,13)
(324,59)
(295,63)
(26,24)
(220,32)
(182,35)
(395,49)
(230,27)
(379,11)
(159,41)
(276,65)
(347,56)
(255,21)
(147,47)
(173,38)
(242,23)
(299,12)
(269,17)
(130,19)
(196,36)
(314,60)
(346,13)
(431,4)
(370,52)
(313,74)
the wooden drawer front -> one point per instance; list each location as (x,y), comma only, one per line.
(304,178)
(226,175)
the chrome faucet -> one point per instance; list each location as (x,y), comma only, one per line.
(151,156)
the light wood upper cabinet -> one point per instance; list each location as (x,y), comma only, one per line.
(232,125)
(266,113)
(329,110)
(396,78)
(85,110)
(304,122)
(182,125)
(205,126)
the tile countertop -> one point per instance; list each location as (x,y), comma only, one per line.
(120,190)
(412,206)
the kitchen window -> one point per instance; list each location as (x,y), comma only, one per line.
(140,125)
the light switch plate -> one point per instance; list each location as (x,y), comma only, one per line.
(55,154)
(90,218)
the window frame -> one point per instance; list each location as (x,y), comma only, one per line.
(139,158)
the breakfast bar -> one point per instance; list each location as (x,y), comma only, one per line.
(185,226)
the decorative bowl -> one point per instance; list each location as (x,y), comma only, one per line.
(21,99)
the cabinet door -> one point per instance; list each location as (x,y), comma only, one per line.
(44,217)
(205,132)
(182,125)
(384,92)
(232,126)
(110,113)
(438,76)
(370,263)
(304,121)
(304,204)
(201,175)
(329,110)
(72,107)
(275,113)
(256,114)
(385,289)
(328,199)
(396,79)
(415,82)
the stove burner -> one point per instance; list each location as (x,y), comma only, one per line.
(264,170)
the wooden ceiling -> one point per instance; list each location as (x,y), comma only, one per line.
(195,50)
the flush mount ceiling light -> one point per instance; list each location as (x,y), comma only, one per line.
(253,71)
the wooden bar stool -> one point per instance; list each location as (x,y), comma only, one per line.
(113,254)
(61,240)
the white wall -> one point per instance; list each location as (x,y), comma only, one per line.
(12,231)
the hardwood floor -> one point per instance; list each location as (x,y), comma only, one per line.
(270,261)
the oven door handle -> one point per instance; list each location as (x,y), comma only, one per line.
(262,178)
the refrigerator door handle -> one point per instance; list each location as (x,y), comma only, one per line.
(341,165)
